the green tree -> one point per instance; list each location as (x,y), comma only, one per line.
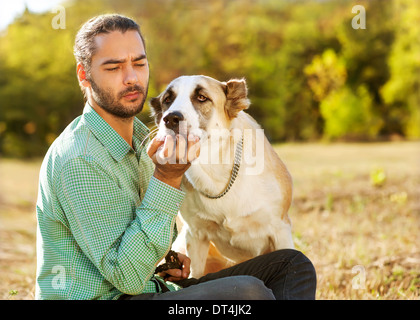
(36,87)
(402,91)
(366,51)
(326,73)
(349,114)
(301,59)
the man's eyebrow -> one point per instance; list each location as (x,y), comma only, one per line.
(116,61)
(140,57)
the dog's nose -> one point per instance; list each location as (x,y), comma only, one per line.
(172,120)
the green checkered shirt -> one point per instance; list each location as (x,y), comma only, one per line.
(104,221)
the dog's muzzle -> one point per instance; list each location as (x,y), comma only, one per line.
(172,120)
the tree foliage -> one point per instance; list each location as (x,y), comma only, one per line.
(402,91)
(310,74)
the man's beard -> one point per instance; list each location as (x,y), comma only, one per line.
(107,101)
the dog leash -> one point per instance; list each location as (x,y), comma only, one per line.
(234,174)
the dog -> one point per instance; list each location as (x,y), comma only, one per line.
(231,201)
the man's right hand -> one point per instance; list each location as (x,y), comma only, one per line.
(172,157)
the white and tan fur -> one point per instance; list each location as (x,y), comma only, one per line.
(251,219)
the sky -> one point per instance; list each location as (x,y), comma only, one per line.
(9,9)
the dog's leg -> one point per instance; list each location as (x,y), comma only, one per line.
(197,251)
(179,244)
(283,238)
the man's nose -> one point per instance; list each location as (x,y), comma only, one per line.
(130,76)
(172,120)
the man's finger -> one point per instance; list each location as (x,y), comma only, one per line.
(174,273)
(154,145)
(193,149)
(171,275)
(165,152)
(186,267)
(168,147)
(181,149)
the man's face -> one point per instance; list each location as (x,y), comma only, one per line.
(119,73)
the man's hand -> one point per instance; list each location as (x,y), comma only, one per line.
(172,157)
(175,275)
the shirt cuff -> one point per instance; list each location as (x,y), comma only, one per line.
(160,195)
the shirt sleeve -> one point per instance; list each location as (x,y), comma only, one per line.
(100,215)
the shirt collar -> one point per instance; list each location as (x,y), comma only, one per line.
(108,137)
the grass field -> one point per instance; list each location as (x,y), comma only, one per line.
(356,215)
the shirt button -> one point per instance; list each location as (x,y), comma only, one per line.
(177,205)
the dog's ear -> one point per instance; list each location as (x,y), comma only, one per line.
(236,97)
(156,109)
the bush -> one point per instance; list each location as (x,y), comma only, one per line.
(349,114)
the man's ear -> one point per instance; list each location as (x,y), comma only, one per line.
(81,75)
(156,109)
(236,97)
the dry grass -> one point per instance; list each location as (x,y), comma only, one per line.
(342,222)
(18,192)
(354,232)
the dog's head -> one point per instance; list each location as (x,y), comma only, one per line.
(196,104)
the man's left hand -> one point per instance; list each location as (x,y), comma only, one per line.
(175,275)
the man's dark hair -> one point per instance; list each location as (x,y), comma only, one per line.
(84,47)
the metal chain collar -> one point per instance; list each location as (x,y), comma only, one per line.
(234,174)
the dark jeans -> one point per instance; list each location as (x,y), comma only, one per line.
(280,275)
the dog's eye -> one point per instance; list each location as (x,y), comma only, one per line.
(202,98)
(167,100)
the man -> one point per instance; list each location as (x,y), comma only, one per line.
(106,208)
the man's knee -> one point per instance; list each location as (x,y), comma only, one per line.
(298,273)
(295,258)
(251,288)
(304,278)
(302,262)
